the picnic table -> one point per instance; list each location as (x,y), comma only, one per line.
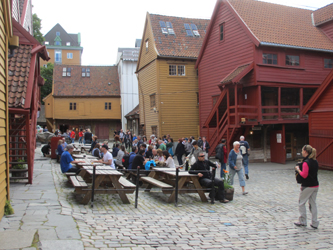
(79,156)
(76,151)
(85,148)
(165,178)
(88,162)
(103,174)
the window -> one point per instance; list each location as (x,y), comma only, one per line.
(172,70)
(66,71)
(88,72)
(167,28)
(181,70)
(72,106)
(328,63)
(107,106)
(57,33)
(222,32)
(198,98)
(69,55)
(83,72)
(175,70)
(292,60)
(269,59)
(188,29)
(57,43)
(154,131)
(57,56)
(68,44)
(46,43)
(147,45)
(153,100)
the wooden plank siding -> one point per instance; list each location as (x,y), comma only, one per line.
(327,28)
(148,86)
(86,108)
(4,182)
(326,100)
(219,58)
(179,109)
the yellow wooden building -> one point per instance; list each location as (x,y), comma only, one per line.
(168,80)
(84,97)
(7,40)
(63,47)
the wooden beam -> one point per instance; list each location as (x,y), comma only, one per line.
(279,103)
(236,103)
(300,103)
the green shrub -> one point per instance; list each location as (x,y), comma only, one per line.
(8,208)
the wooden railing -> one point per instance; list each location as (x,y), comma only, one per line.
(281,112)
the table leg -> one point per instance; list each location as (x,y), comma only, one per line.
(181,183)
(87,196)
(118,186)
(198,187)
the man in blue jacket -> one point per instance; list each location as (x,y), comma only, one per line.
(66,160)
(132,155)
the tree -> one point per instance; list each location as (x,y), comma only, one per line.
(37,25)
(47,74)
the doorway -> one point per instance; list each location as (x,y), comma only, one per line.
(290,147)
(63,128)
(278,149)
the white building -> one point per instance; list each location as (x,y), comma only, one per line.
(126,61)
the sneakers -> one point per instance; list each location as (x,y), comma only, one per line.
(300,224)
(314,227)
(244,193)
(247,176)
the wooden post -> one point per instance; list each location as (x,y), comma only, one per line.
(228,106)
(208,132)
(259,104)
(236,106)
(28,148)
(300,103)
(217,122)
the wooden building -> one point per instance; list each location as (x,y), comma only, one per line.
(133,121)
(257,74)
(84,97)
(63,47)
(24,82)
(8,40)
(320,111)
(168,81)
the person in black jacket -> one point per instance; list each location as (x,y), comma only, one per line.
(180,151)
(309,186)
(94,142)
(87,137)
(202,169)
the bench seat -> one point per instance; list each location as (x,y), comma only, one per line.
(126,183)
(155,182)
(78,183)
(69,174)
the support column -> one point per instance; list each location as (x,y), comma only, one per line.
(236,108)
(300,103)
(259,104)
(279,103)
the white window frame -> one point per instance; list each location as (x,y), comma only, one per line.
(69,55)
(46,42)
(55,56)
(68,44)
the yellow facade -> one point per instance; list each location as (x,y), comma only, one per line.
(65,58)
(5,34)
(176,110)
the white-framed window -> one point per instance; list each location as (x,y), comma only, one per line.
(68,44)
(66,71)
(57,56)
(147,45)
(176,70)
(46,43)
(69,55)
(85,72)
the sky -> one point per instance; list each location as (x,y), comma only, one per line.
(106,25)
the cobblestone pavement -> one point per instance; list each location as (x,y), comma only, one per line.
(263,219)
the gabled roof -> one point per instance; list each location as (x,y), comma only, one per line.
(179,44)
(319,92)
(238,73)
(323,15)
(103,81)
(64,36)
(135,111)
(271,24)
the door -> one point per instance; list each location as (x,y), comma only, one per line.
(290,147)
(278,149)
(102,131)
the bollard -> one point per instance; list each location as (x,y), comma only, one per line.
(93,187)
(213,186)
(176,188)
(137,186)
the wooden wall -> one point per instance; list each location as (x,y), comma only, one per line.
(147,86)
(75,61)
(86,108)
(179,109)
(4,183)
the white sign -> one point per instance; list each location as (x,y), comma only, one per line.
(278,138)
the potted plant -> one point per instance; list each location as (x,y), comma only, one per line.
(228,189)
(18,167)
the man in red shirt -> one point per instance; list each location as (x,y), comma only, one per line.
(80,136)
(72,135)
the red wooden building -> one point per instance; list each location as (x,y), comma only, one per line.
(259,65)
(24,83)
(320,111)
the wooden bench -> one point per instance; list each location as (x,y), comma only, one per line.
(126,183)
(78,183)
(155,183)
(69,174)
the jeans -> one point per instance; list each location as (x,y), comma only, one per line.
(217,183)
(74,170)
(240,174)
(72,140)
(223,167)
(80,140)
(246,163)
(180,160)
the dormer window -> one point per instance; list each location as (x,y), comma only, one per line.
(57,43)
(57,33)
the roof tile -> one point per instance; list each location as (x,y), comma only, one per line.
(323,14)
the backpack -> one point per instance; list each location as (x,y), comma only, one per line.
(243,148)
(219,152)
(125,160)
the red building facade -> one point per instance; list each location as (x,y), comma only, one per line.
(259,65)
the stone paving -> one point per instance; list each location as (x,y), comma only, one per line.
(261,220)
